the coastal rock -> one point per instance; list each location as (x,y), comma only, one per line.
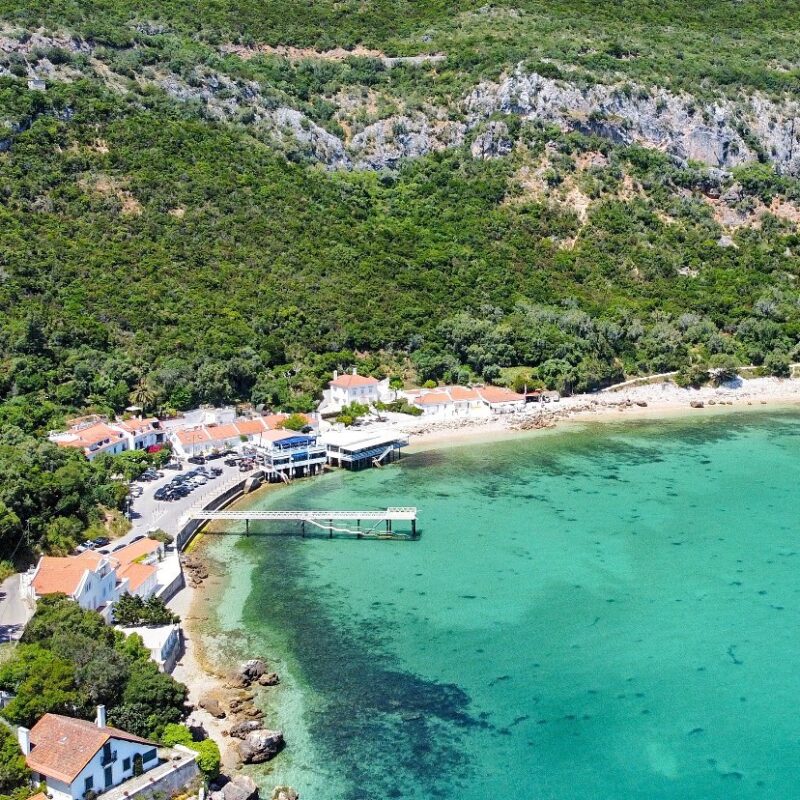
(241,787)
(253,669)
(269,679)
(260,746)
(210,704)
(194,570)
(285,793)
(241,729)
(696,403)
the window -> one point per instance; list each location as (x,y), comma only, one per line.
(88,784)
(149,755)
(126,764)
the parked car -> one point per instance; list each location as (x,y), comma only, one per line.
(216,471)
(232,462)
(101,541)
(214,456)
(245,465)
(137,538)
(196,460)
(136,491)
(199,480)
(161,494)
(172,465)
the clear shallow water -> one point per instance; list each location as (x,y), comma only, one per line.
(601,613)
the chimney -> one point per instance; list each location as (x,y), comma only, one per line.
(354,371)
(24,739)
(100,721)
(335,374)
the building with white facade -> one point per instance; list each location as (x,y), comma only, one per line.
(90,579)
(352,388)
(356,449)
(206,438)
(95,580)
(96,436)
(165,643)
(454,401)
(288,454)
(74,756)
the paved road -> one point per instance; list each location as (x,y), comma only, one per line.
(14,611)
(150,513)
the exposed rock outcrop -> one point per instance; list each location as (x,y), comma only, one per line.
(242,787)
(259,746)
(285,793)
(719,134)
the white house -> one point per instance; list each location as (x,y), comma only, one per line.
(73,756)
(141,433)
(165,643)
(352,388)
(448,401)
(94,436)
(90,579)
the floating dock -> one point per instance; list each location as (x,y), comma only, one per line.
(368,524)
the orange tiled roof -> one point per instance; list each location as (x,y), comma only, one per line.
(136,574)
(137,425)
(193,436)
(275,436)
(91,435)
(349,381)
(433,399)
(144,547)
(460,393)
(250,427)
(63,574)
(496,394)
(62,746)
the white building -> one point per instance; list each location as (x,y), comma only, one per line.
(352,388)
(94,436)
(95,580)
(356,449)
(90,579)
(165,643)
(74,756)
(141,433)
(455,401)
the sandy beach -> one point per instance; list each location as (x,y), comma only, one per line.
(194,668)
(654,401)
(651,401)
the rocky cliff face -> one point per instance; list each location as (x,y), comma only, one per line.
(721,134)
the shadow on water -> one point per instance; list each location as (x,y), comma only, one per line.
(385,730)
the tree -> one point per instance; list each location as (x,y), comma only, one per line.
(349,415)
(295,422)
(208,760)
(42,683)
(14,773)
(131,610)
(142,394)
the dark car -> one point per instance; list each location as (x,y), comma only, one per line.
(232,462)
(161,494)
(196,460)
(172,465)
(214,456)
(216,471)
(101,541)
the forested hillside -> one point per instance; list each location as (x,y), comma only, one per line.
(211,203)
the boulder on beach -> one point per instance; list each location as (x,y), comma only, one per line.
(241,729)
(269,679)
(241,787)
(260,746)
(246,673)
(696,404)
(210,704)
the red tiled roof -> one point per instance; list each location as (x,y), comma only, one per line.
(136,574)
(461,393)
(193,436)
(349,381)
(63,574)
(144,547)
(62,746)
(433,399)
(496,394)
(91,435)
(137,425)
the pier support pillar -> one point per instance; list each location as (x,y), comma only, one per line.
(247,527)
(414,528)
(330,529)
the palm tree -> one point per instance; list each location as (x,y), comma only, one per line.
(142,395)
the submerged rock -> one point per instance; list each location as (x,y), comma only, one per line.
(285,793)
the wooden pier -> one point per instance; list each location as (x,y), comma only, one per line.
(368,524)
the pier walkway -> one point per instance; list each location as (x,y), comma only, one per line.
(369,524)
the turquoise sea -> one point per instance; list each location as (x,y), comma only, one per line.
(598,612)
